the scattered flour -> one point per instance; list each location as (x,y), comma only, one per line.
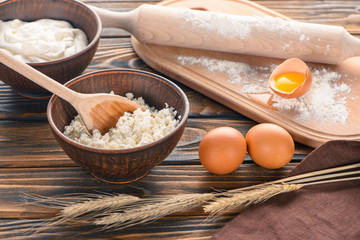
(302,37)
(326,100)
(235,25)
(132,130)
(242,27)
(238,72)
(292,37)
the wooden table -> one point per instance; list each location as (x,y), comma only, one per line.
(31,162)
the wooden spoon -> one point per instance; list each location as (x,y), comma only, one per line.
(269,37)
(98,111)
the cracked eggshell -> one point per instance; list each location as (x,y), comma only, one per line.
(292,65)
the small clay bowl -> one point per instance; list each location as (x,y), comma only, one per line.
(122,165)
(62,70)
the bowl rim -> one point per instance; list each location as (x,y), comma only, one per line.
(88,46)
(181,124)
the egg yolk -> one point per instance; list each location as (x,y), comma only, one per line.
(288,82)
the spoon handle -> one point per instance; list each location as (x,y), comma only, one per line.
(38,77)
(259,36)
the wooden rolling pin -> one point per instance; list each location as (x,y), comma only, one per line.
(259,36)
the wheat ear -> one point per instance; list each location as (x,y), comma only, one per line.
(233,201)
(79,210)
(107,203)
(153,209)
(82,204)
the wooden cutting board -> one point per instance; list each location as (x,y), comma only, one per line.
(217,85)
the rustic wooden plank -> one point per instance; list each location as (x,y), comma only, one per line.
(344,13)
(43,168)
(21,211)
(18,138)
(184,177)
(162,180)
(167,228)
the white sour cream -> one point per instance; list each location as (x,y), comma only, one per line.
(42,40)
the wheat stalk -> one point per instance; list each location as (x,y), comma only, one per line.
(153,210)
(121,211)
(107,203)
(77,209)
(233,201)
(76,206)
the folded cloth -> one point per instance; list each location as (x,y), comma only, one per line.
(326,211)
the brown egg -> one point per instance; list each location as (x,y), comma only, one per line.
(222,150)
(291,79)
(270,145)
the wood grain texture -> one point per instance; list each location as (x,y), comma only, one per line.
(31,162)
(146,24)
(219,84)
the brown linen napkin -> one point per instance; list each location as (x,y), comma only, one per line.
(329,211)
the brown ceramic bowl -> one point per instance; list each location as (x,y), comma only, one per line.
(62,70)
(122,165)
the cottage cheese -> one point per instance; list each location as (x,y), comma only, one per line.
(132,129)
(42,40)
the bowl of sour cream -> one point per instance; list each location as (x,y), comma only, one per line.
(58,38)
